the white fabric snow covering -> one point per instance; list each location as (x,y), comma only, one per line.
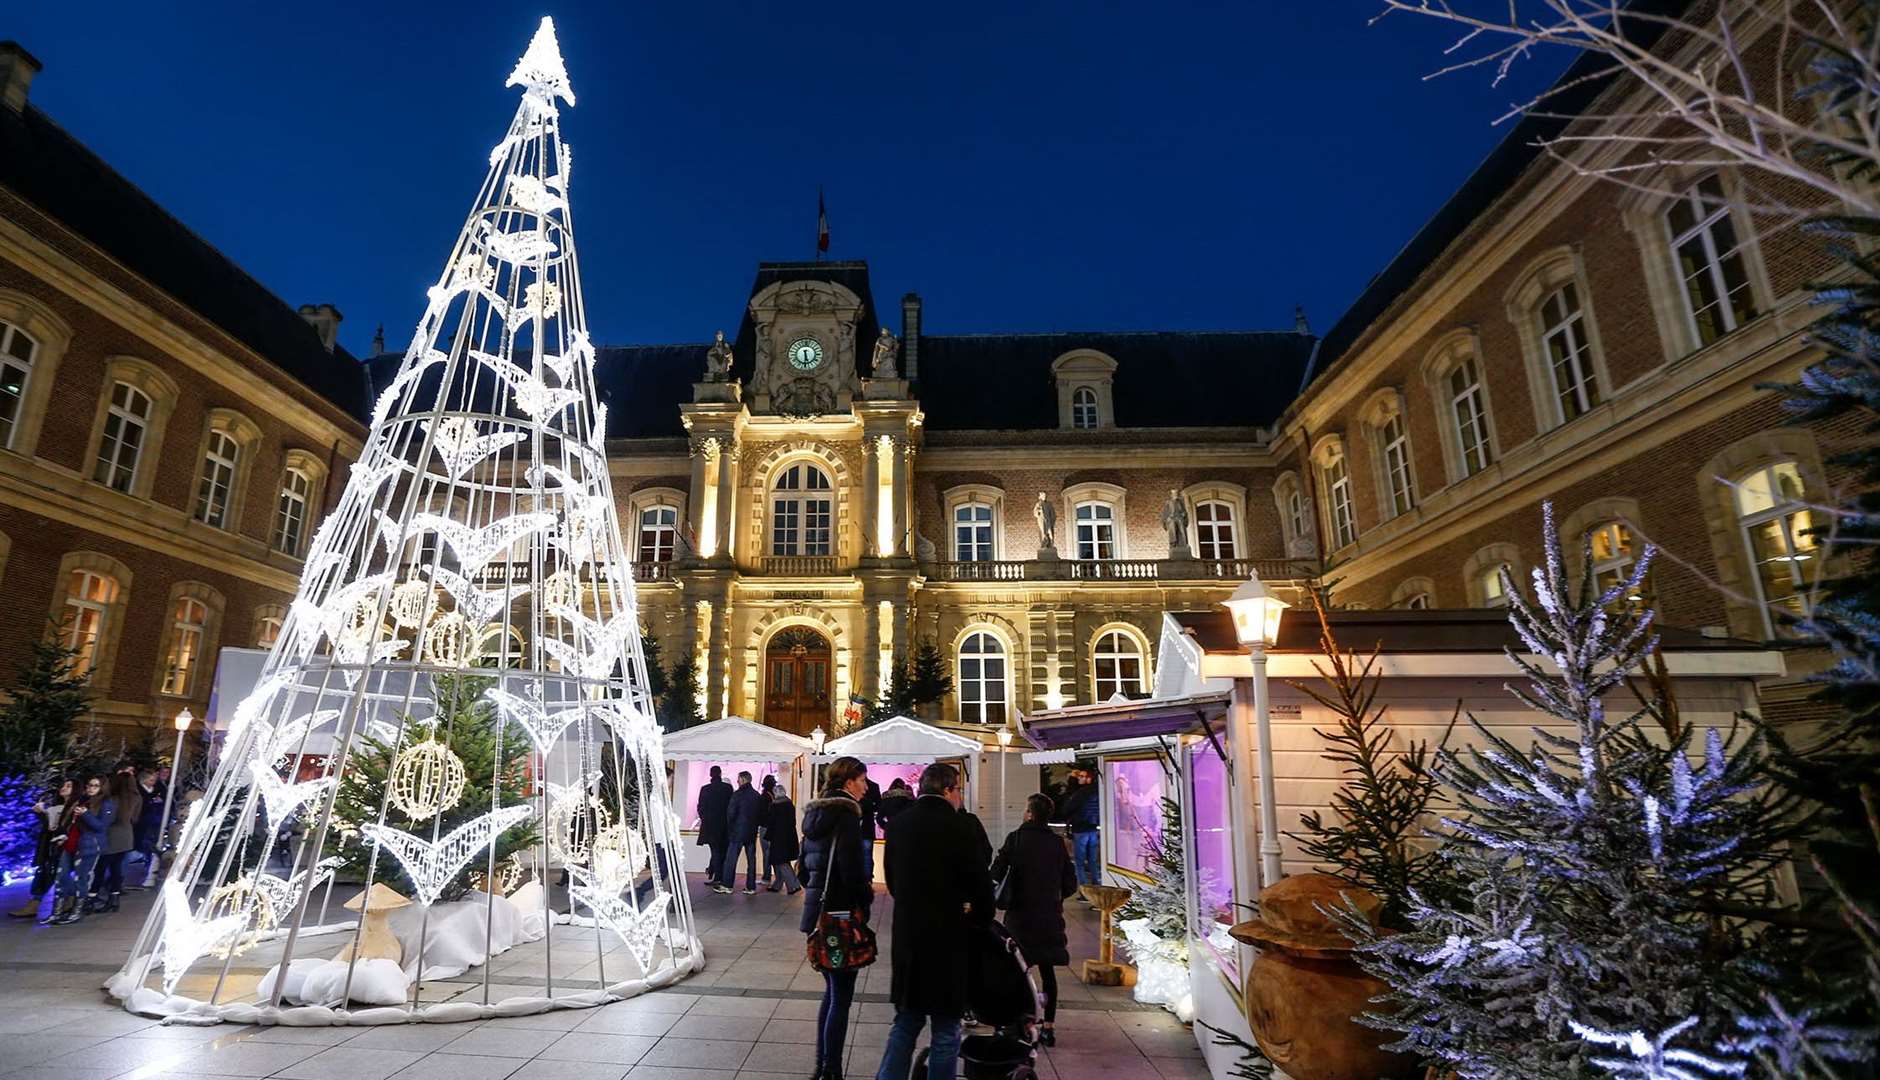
(454,937)
(454,933)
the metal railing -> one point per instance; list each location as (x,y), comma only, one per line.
(1122,570)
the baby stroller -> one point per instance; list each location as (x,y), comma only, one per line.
(1003,997)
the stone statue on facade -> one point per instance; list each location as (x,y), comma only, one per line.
(1175,520)
(887,347)
(1045,515)
(718,360)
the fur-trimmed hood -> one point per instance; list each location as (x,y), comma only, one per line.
(822,817)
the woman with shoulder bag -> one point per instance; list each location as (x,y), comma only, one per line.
(1035,875)
(836,904)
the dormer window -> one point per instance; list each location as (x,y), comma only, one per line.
(1085,402)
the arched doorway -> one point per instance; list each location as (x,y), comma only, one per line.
(797,665)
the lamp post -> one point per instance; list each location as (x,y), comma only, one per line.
(817,739)
(1005,808)
(1256,613)
(183,720)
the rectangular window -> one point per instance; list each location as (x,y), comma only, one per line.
(1710,261)
(125,422)
(818,516)
(1338,499)
(290,514)
(1777,527)
(1471,415)
(1563,336)
(218,479)
(659,532)
(1214,530)
(972,532)
(1096,531)
(88,602)
(16,364)
(785,526)
(1396,447)
(185,644)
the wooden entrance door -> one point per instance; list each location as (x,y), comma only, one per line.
(796,681)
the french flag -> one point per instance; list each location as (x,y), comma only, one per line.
(822,224)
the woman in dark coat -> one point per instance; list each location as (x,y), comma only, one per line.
(780,839)
(836,879)
(1042,876)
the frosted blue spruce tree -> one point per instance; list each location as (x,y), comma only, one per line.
(1595,868)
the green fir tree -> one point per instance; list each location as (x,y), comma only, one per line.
(47,698)
(1163,901)
(471,727)
(679,706)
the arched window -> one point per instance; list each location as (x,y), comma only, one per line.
(290,512)
(218,479)
(1569,357)
(1613,555)
(88,604)
(1335,477)
(1710,262)
(981,679)
(1084,408)
(1214,530)
(17,349)
(972,532)
(802,512)
(1469,408)
(659,533)
(1096,531)
(1394,450)
(189,622)
(126,422)
(1117,666)
(1776,524)
(1414,594)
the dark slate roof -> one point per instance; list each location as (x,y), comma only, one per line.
(1402,631)
(1214,378)
(43,164)
(1577,87)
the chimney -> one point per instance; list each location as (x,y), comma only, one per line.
(325,319)
(378,341)
(910,337)
(17,68)
(1300,325)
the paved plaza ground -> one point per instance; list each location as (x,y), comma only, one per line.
(749,1014)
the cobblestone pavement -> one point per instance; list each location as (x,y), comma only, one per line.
(748,1016)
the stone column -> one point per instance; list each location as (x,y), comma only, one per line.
(718,654)
(902,638)
(695,498)
(727,503)
(902,496)
(868,674)
(871,495)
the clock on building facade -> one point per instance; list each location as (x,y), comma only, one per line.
(806,354)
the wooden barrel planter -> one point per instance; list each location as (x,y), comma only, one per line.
(1304,988)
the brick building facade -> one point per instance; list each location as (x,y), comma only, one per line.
(806,509)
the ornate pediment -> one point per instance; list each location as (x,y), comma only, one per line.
(805,352)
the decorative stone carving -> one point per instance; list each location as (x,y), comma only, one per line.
(718,360)
(1175,520)
(1044,512)
(886,349)
(805,398)
(925,548)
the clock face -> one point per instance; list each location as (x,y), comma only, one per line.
(806,354)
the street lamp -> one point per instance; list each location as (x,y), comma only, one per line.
(183,720)
(1256,613)
(1005,808)
(817,738)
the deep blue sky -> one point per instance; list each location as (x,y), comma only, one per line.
(1022,166)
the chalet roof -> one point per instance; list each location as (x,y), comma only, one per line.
(45,165)
(1436,630)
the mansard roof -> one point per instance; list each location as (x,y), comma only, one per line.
(47,167)
(1574,92)
(1194,378)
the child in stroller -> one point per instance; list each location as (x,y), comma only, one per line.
(1004,998)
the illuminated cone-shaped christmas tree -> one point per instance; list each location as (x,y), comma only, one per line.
(464,655)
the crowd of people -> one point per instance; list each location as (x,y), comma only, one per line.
(89,827)
(944,875)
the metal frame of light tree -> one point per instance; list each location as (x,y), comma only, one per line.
(505,466)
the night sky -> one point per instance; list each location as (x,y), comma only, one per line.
(1022,166)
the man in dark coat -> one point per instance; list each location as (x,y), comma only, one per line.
(714,808)
(747,813)
(871,817)
(942,887)
(1082,812)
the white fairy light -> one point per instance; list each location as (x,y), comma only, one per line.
(561,589)
(185,938)
(409,602)
(451,641)
(544,727)
(426,780)
(639,930)
(431,866)
(282,798)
